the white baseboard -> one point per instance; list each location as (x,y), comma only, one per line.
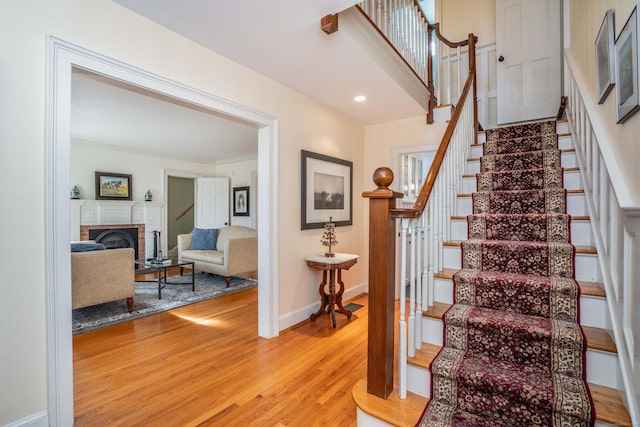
(294,317)
(39,419)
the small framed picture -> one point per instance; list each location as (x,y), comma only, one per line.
(241,201)
(112,186)
(326,190)
(627,69)
(605,60)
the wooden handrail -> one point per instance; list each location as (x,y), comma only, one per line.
(391,45)
(446,41)
(430,180)
(184,212)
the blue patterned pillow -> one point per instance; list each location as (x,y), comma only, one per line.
(87,247)
(204,239)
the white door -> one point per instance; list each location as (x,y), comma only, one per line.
(212,202)
(528,53)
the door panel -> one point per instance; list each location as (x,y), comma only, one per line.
(212,202)
(529,75)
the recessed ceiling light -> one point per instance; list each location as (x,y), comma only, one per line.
(360,98)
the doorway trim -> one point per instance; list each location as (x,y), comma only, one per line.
(61,58)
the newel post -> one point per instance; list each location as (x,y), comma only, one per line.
(382,252)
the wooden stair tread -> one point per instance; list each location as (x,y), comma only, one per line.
(593,289)
(425,355)
(580,249)
(599,339)
(392,410)
(573,218)
(608,405)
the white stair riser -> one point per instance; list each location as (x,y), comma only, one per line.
(571,182)
(586,265)
(580,231)
(367,420)
(576,205)
(601,370)
(593,310)
(562,127)
(602,367)
(567,160)
(564,143)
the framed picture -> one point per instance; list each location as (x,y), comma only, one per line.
(241,201)
(627,69)
(326,190)
(605,61)
(113,186)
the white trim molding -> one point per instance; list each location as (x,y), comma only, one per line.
(61,58)
(615,224)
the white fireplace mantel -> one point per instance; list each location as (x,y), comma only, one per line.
(115,212)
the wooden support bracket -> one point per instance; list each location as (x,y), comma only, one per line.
(329,23)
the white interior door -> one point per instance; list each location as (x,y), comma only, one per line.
(528,52)
(212,202)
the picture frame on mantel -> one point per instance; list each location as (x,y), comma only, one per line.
(113,186)
(605,57)
(326,190)
(627,90)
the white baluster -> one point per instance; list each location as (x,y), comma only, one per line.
(402,324)
(412,291)
(420,279)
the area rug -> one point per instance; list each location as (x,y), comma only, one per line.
(514,352)
(146,300)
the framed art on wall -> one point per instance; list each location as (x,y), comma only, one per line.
(605,61)
(326,190)
(241,201)
(627,69)
(112,186)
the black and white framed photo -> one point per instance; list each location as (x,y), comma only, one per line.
(326,190)
(627,69)
(605,60)
(241,201)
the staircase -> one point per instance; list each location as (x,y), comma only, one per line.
(602,371)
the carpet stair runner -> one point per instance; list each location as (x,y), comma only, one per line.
(514,353)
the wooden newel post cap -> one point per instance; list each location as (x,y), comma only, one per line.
(383,177)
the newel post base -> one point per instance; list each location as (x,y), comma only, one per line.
(382,230)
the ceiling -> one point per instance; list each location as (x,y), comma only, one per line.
(280,39)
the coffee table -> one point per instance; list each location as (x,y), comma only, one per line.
(159,266)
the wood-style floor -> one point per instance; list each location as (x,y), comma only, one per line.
(204,365)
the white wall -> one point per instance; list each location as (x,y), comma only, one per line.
(109,29)
(146,169)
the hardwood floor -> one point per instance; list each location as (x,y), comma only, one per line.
(204,365)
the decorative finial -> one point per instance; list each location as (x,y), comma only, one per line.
(383,177)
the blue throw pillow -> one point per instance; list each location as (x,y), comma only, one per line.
(204,239)
(87,247)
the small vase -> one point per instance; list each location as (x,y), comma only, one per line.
(75,192)
(148,196)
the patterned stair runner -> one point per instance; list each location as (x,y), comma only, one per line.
(514,352)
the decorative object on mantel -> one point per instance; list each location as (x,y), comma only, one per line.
(329,237)
(148,196)
(113,186)
(75,192)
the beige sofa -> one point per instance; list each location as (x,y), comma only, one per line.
(102,276)
(236,252)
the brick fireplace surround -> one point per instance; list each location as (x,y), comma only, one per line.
(84,233)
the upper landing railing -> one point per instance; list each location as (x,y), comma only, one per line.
(408,31)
